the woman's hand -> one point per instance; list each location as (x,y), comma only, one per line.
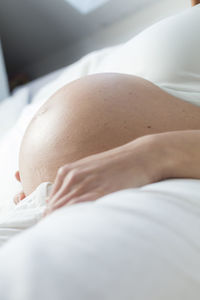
(132,165)
(20,196)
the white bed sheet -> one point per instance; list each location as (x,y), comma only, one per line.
(133,244)
(25,214)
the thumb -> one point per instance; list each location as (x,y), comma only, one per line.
(19,197)
(17,176)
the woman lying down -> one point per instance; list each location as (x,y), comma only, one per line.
(107,132)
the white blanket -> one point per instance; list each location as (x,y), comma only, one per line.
(25,214)
(133,244)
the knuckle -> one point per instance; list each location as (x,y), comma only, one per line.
(62,171)
(73,174)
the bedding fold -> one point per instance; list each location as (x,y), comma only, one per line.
(25,214)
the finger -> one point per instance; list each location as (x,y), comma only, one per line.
(65,198)
(83,198)
(71,181)
(44,214)
(61,174)
(17,176)
(17,198)
(22,196)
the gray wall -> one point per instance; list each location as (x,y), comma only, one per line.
(3,77)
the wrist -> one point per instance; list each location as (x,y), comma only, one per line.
(163,157)
(152,157)
(160,156)
(175,154)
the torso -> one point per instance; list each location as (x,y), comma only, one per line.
(103,111)
(94,114)
(118,99)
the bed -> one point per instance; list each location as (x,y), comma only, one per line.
(133,244)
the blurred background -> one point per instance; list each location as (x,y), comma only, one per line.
(41,36)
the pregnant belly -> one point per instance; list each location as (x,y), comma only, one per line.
(97,113)
(126,105)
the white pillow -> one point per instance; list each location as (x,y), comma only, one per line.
(11,108)
(9,150)
(84,66)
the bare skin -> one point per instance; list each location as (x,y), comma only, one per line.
(95,114)
(20,196)
(195,2)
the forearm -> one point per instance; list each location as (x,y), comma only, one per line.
(178,154)
(195,2)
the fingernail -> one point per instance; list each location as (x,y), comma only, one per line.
(46,212)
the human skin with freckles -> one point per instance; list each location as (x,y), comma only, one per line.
(95,114)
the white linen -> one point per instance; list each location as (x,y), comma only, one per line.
(25,214)
(155,54)
(166,53)
(85,66)
(133,244)
(11,108)
(9,150)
